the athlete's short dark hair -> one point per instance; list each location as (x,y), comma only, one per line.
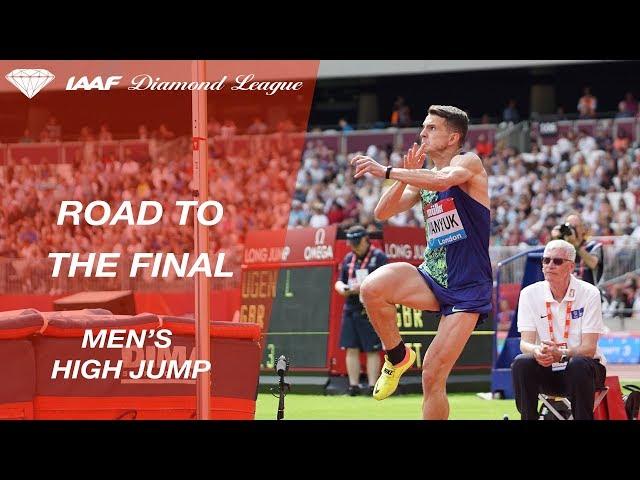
(457,120)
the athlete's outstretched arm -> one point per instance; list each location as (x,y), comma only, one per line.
(461,169)
(398,198)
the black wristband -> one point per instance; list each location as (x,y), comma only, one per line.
(386,175)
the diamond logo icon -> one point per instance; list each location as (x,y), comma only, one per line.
(30,80)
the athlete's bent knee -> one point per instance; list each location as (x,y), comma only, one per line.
(371,290)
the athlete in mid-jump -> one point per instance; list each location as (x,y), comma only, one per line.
(455,277)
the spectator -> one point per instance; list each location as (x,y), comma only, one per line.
(483,146)
(630,104)
(286,126)
(298,217)
(105,134)
(318,219)
(580,169)
(143,132)
(213,127)
(587,104)
(164,133)
(54,129)
(511,114)
(344,125)
(26,137)
(586,143)
(257,127)
(401,115)
(603,139)
(622,111)
(86,135)
(44,136)
(622,142)
(336,212)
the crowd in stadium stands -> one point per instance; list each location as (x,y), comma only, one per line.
(530,191)
(254,183)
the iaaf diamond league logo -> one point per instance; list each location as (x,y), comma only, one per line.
(30,80)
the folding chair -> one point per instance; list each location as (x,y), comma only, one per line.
(601,393)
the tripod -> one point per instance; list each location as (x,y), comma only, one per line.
(283,388)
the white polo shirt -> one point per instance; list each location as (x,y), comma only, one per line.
(586,312)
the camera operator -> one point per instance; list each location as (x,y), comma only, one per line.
(589,261)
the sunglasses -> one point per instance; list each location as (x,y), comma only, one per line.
(556,261)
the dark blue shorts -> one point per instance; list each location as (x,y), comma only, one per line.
(357,332)
(474,299)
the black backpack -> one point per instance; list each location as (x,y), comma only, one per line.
(632,402)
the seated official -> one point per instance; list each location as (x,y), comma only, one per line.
(560,321)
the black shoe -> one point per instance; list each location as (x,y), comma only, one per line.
(369,391)
(354,390)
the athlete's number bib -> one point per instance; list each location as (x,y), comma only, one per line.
(444,224)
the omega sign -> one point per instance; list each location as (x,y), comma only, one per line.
(320,251)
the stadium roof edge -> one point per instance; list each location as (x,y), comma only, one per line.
(367,68)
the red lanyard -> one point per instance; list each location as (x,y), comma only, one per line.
(362,265)
(567,322)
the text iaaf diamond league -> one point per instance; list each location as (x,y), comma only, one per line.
(244,82)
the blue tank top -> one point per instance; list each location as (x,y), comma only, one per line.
(457,228)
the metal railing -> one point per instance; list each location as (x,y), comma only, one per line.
(622,319)
(340,142)
(510,271)
(521,258)
(620,261)
(68,152)
(64,152)
(549,130)
(22,275)
(516,136)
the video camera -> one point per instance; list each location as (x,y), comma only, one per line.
(566,230)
